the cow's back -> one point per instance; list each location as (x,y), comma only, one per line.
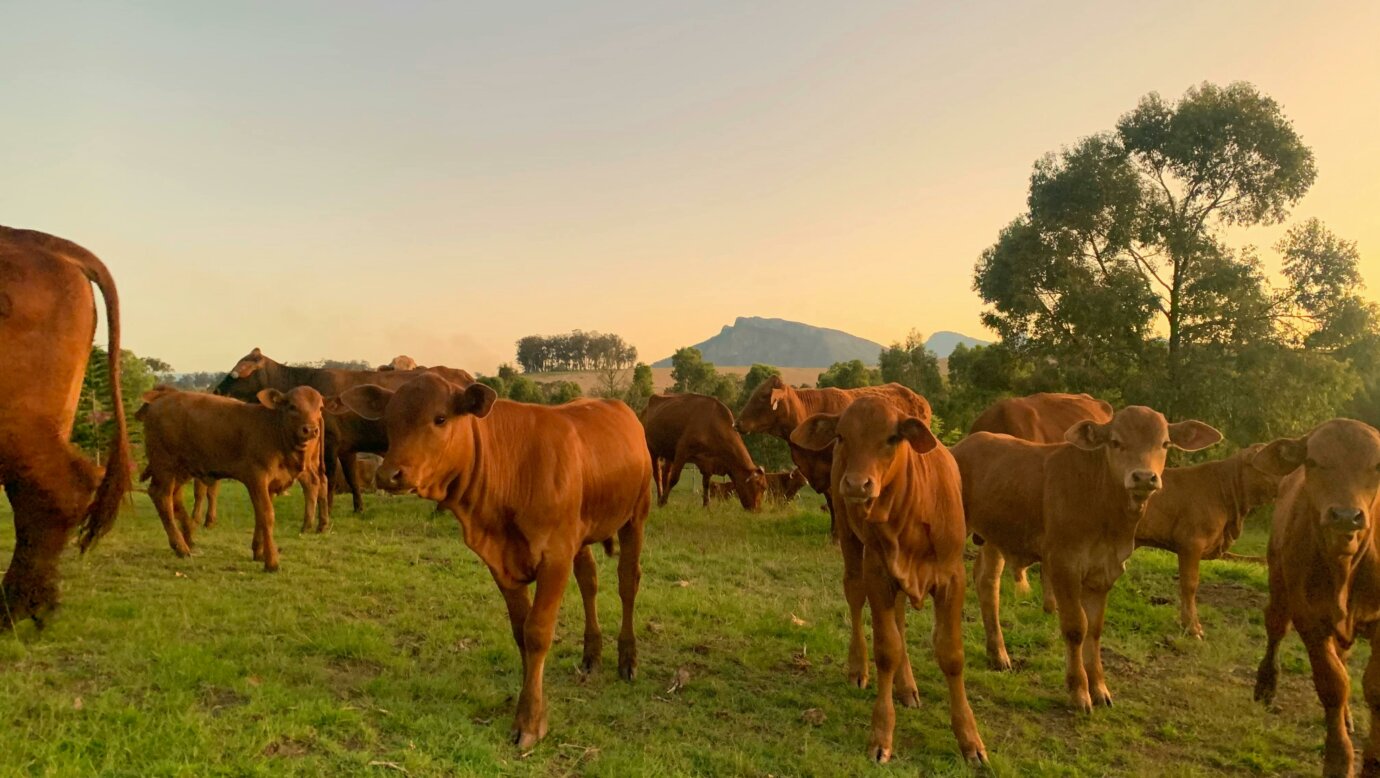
(832,400)
(198,434)
(1042,417)
(1002,482)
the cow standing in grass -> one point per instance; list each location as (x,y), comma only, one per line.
(47,322)
(896,491)
(265,446)
(532,487)
(1073,506)
(697,429)
(1325,573)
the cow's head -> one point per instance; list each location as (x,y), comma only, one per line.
(1341,478)
(771,403)
(247,378)
(299,412)
(872,442)
(1135,444)
(750,485)
(429,430)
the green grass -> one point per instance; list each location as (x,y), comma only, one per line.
(382,647)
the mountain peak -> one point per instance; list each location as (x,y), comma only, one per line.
(752,339)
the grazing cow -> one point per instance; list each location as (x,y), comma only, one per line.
(1199,513)
(532,487)
(1325,572)
(698,429)
(902,534)
(1073,506)
(782,487)
(1039,418)
(344,437)
(47,323)
(265,446)
(1042,417)
(776,408)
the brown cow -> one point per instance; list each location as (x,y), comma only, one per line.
(1325,572)
(1073,506)
(47,323)
(722,491)
(532,487)
(902,534)
(1199,513)
(782,487)
(1041,417)
(697,429)
(265,447)
(776,408)
(344,437)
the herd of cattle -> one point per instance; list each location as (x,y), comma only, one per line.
(1062,480)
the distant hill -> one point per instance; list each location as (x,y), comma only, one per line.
(943,343)
(752,339)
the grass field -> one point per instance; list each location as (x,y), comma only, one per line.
(382,648)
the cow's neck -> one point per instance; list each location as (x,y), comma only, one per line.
(287,377)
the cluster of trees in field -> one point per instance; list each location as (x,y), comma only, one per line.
(574,351)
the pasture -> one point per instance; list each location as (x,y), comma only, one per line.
(382,648)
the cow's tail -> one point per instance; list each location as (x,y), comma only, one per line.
(116,483)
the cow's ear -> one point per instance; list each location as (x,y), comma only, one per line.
(1087,435)
(1192,435)
(1106,408)
(1281,457)
(334,405)
(777,395)
(817,432)
(917,434)
(475,399)
(367,400)
(271,399)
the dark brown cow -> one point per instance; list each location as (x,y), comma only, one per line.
(265,446)
(902,534)
(1039,418)
(47,323)
(532,487)
(344,438)
(1073,506)
(776,408)
(697,429)
(783,487)
(1042,417)
(1325,573)
(1199,513)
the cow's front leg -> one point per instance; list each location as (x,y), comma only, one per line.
(1370,684)
(1073,623)
(529,725)
(1095,611)
(948,653)
(1333,686)
(264,545)
(907,691)
(887,650)
(1189,562)
(855,593)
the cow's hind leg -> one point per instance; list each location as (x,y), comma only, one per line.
(855,593)
(948,654)
(530,723)
(184,519)
(44,513)
(349,464)
(987,574)
(1276,627)
(629,579)
(587,576)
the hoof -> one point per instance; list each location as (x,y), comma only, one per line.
(977,760)
(270,568)
(909,698)
(183,552)
(591,663)
(879,754)
(1000,663)
(1081,703)
(1265,690)
(857,680)
(627,671)
(1103,699)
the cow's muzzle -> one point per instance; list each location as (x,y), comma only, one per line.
(1142,483)
(1346,519)
(858,489)
(392,479)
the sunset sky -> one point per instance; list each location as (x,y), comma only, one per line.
(359,180)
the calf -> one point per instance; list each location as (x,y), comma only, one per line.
(1073,506)
(47,323)
(722,491)
(697,429)
(902,534)
(782,487)
(532,487)
(265,446)
(1325,572)
(1199,513)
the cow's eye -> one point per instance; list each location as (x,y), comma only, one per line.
(440,421)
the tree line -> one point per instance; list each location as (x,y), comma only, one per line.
(574,351)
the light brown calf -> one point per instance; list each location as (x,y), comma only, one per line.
(265,446)
(1073,506)
(1325,573)
(532,487)
(896,491)
(782,487)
